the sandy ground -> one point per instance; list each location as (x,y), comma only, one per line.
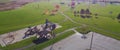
(18,36)
(75,42)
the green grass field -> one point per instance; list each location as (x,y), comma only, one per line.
(31,15)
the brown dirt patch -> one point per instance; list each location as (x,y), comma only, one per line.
(14,4)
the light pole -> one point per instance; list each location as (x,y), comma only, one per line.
(91,43)
(89,4)
(51,48)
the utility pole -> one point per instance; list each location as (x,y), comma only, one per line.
(91,43)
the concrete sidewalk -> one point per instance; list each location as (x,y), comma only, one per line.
(75,42)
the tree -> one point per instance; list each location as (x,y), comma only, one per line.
(84,30)
(82,13)
(88,13)
(118,17)
(75,13)
(96,15)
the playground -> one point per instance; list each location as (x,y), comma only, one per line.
(37,24)
(19,35)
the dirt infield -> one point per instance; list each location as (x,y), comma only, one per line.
(14,4)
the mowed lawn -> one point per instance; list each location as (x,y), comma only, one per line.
(106,23)
(28,15)
(31,15)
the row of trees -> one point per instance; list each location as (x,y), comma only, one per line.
(83,13)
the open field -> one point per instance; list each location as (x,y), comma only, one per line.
(32,14)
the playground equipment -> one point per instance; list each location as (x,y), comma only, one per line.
(57,7)
(42,32)
(52,12)
(46,12)
(72,4)
(46,31)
